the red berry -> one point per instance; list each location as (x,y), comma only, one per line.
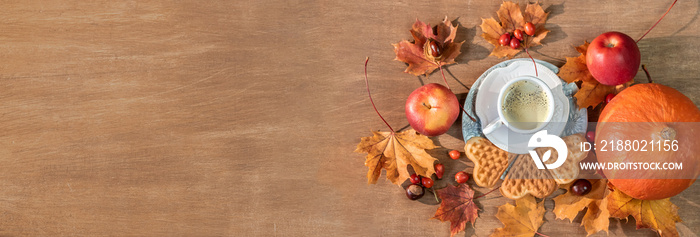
(427,182)
(504,40)
(414,191)
(435,50)
(415,179)
(581,187)
(529,29)
(609,97)
(454,154)
(439,170)
(461,177)
(590,136)
(518,34)
(514,43)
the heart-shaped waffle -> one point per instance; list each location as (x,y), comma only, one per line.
(525,178)
(489,161)
(567,172)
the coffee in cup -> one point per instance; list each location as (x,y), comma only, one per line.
(525,105)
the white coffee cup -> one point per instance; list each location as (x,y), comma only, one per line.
(525,105)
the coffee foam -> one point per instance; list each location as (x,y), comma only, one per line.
(525,105)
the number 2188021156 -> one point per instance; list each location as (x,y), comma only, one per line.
(633,145)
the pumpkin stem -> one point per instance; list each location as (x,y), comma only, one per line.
(644,67)
(668,133)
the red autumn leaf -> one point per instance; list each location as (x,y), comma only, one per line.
(457,207)
(512,18)
(416,54)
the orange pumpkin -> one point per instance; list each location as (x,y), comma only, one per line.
(650,112)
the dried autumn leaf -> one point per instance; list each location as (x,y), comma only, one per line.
(659,215)
(569,205)
(575,68)
(415,53)
(523,219)
(511,18)
(597,217)
(393,152)
(457,207)
(592,92)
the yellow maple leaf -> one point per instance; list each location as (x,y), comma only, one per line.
(523,219)
(393,152)
(660,215)
(597,217)
(568,206)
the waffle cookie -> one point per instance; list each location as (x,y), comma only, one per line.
(489,161)
(524,178)
(568,171)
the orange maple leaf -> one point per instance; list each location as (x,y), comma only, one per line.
(575,68)
(512,18)
(457,207)
(523,219)
(568,206)
(393,152)
(591,92)
(416,55)
(659,215)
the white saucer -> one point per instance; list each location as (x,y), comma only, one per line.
(486,104)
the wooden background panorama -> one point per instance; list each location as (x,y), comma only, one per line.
(239,118)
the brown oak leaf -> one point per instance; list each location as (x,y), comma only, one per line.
(568,206)
(415,53)
(393,152)
(457,207)
(523,219)
(659,215)
(591,92)
(511,18)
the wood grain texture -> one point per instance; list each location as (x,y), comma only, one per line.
(239,118)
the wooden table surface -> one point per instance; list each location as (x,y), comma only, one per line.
(239,118)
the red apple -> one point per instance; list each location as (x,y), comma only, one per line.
(432,109)
(613,58)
